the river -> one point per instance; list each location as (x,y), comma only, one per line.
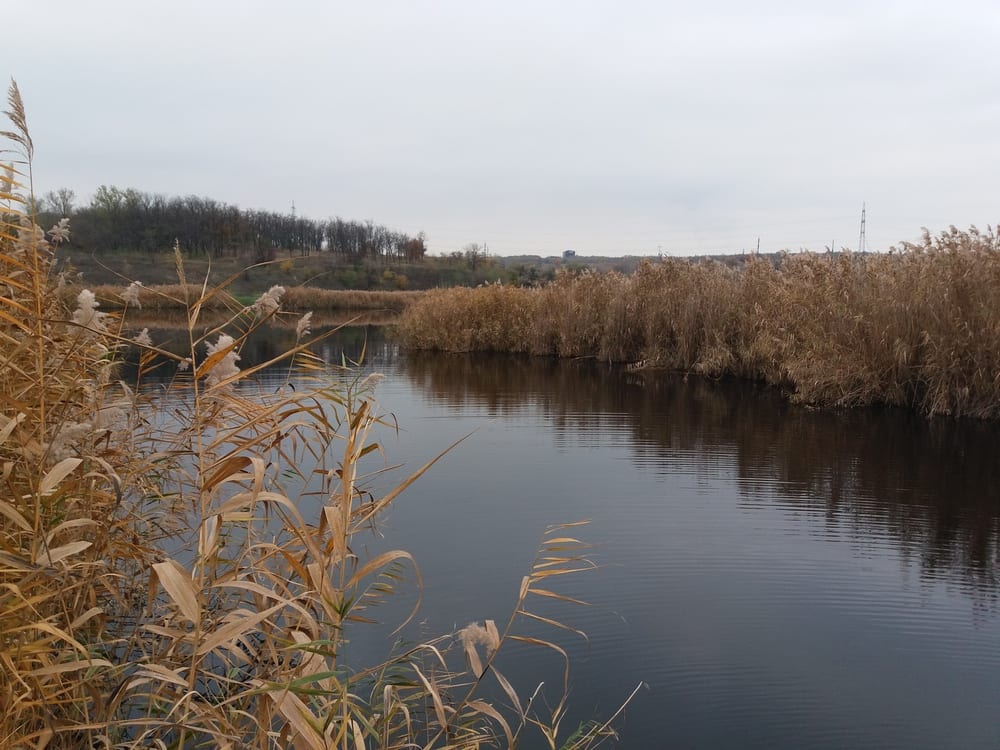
(778,577)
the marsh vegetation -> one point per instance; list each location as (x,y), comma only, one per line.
(181,566)
(918,327)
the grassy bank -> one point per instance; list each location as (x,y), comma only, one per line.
(182,566)
(178,297)
(918,328)
(319,270)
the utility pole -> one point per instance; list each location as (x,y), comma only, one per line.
(861,238)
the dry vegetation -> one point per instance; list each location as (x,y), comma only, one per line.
(183,570)
(918,328)
(180,296)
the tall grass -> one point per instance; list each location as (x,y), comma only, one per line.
(184,570)
(918,327)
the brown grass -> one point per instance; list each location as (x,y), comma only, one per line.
(180,296)
(184,570)
(918,328)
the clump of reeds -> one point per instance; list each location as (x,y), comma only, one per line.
(184,570)
(918,327)
(493,317)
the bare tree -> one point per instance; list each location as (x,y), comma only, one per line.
(60,201)
(473,252)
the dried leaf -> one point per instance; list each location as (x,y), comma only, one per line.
(160,673)
(75,523)
(235,628)
(485,708)
(376,563)
(224,469)
(435,697)
(70,666)
(54,555)
(180,587)
(8,511)
(208,537)
(9,426)
(560,597)
(551,622)
(473,656)
(56,474)
(510,691)
(298,716)
(359,737)
(494,634)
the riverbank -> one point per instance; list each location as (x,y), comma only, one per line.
(178,297)
(918,327)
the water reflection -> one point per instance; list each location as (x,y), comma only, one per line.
(928,486)
(781,577)
(346,346)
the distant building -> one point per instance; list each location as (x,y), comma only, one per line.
(567,254)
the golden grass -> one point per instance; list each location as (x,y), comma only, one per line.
(183,571)
(917,328)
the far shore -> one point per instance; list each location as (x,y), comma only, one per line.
(177,297)
(169,319)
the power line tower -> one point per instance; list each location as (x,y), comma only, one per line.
(861,238)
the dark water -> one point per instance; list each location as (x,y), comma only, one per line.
(779,577)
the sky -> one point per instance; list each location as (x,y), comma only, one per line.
(608,128)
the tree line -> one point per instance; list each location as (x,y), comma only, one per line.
(128,219)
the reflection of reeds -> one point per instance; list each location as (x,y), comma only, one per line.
(924,482)
(184,572)
(918,328)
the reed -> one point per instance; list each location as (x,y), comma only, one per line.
(163,581)
(918,327)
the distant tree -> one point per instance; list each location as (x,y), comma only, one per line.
(473,252)
(108,198)
(129,219)
(414,249)
(60,201)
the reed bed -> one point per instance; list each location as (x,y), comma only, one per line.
(177,319)
(184,571)
(918,327)
(178,297)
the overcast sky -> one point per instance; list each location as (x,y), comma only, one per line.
(605,127)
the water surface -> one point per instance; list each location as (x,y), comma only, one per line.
(780,577)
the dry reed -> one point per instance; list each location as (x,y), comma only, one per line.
(918,327)
(183,571)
